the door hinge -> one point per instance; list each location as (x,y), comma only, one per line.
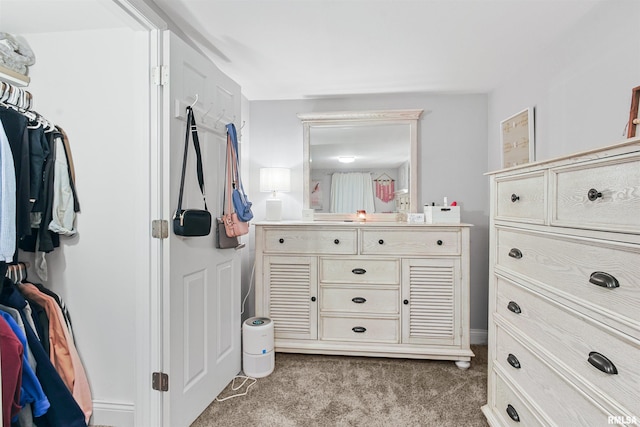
(160,75)
(159,228)
(160,381)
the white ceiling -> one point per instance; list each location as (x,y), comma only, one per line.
(293,49)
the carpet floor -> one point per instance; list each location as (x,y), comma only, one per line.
(317,390)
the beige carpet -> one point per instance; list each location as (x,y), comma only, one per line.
(315,390)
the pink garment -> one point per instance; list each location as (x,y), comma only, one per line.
(11,349)
(67,356)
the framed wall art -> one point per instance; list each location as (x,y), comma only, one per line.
(634,118)
(517,139)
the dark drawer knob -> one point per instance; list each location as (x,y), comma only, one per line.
(514,307)
(358,271)
(313,299)
(601,363)
(513,361)
(515,253)
(281,240)
(514,198)
(594,194)
(405,302)
(439,242)
(336,241)
(513,414)
(603,279)
(359,300)
(359,329)
(381,242)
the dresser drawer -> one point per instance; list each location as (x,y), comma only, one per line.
(411,242)
(568,264)
(521,198)
(360,300)
(301,241)
(602,195)
(572,338)
(359,270)
(359,329)
(562,403)
(510,408)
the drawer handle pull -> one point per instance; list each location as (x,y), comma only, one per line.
(381,242)
(439,242)
(358,271)
(594,194)
(313,299)
(405,302)
(513,361)
(359,329)
(602,363)
(515,253)
(281,240)
(337,242)
(514,307)
(359,300)
(513,414)
(514,198)
(603,279)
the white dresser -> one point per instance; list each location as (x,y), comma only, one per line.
(371,289)
(564,291)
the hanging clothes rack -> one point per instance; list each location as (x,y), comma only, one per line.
(17,272)
(21,100)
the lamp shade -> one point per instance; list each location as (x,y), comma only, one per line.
(275,179)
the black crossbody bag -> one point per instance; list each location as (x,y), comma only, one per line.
(192,222)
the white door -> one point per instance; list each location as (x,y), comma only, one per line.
(201,316)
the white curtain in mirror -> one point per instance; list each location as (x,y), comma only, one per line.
(352,191)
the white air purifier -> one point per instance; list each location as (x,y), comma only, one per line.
(258,357)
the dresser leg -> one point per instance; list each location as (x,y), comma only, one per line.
(463,364)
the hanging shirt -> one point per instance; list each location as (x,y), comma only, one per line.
(7,199)
(12,351)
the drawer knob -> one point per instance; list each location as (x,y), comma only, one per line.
(358,271)
(514,198)
(359,300)
(405,302)
(601,363)
(439,242)
(514,307)
(515,253)
(313,299)
(603,279)
(594,194)
(381,242)
(513,361)
(513,414)
(337,242)
(359,329)
(281,240)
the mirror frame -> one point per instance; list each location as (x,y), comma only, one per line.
(360,118)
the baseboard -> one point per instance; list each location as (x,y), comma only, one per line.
(478,336)
(113,414)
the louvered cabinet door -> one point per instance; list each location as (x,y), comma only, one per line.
(431,301)
(291,286)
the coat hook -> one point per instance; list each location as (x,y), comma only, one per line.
(244,122)
(219,118)
(194,102)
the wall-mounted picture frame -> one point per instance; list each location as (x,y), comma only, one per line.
(517,138)
(634,117)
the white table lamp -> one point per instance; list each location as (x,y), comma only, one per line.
(273,180)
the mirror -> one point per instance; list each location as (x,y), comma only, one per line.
(360,161)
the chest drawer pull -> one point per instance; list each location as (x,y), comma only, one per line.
(603,279)
(281,240)
(358,271)
(602,363)
(513,361)
(359,300)
(336,241)
(359,329)
(514,198)
(513,414)
(515,253)
(594,194)
(381,242)
(439,242)
(514,307)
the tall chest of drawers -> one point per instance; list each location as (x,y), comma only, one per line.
(368,289)
(564,291)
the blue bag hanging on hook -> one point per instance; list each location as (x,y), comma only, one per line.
(241,203)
